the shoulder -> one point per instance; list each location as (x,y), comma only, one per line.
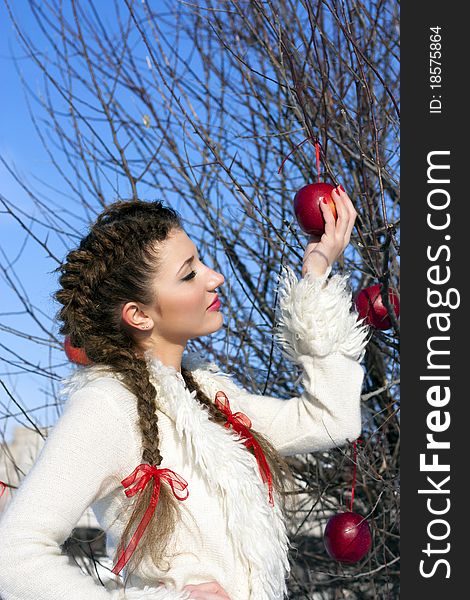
(98,387)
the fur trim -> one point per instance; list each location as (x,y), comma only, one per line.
(257,530)
(203,369)
(316,319)
(82,375)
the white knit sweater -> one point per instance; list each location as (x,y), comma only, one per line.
(227,531)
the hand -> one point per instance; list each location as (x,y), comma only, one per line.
(207,591)
(322,251)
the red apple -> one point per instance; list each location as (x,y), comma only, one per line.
(75,355)
(370,305)
(347,537)
(307,207)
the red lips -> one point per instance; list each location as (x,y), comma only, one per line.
(215,300)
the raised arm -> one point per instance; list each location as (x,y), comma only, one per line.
(318,330)
(84,450)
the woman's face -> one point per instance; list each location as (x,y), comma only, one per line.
(184,289)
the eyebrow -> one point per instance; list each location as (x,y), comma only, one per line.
(186,262)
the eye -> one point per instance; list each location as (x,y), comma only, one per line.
(193,274)
(190,276)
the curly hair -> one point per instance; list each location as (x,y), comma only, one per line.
(114,264)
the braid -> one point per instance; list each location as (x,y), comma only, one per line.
(215,414)
(145,392)
(112,265)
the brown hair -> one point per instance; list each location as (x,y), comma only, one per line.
(113,265)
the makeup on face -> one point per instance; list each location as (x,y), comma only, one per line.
(215,305)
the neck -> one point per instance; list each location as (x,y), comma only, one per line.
(168,355)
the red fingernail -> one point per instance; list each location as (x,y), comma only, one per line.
(325,200)
(342,188)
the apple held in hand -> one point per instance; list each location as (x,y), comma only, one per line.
(75,355)
(347,537)
(307,207)
(370,305)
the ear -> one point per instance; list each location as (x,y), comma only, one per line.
(133,316)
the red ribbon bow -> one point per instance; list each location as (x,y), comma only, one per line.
(143,473)
(241,424)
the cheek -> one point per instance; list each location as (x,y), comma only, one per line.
(191,300)
(185,303)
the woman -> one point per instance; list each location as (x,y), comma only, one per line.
(183,468)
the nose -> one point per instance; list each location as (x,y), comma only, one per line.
(217,281)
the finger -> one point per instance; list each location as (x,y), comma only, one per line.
(345,195)
(330,222)
(349,204)
(352,215)
(202,595)
(350,228)
(342,222)
(209,586)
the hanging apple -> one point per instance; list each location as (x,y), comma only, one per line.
(75,355)
(370,305)
(347,537)
(307,207)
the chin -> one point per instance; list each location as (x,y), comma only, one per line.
(218,323)
(210,325)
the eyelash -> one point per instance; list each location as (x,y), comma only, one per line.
(193,274)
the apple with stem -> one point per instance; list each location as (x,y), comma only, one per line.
(307,207)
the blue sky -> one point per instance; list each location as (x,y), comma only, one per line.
(22,149)
(19,146)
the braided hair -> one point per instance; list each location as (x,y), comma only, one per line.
(114,264)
